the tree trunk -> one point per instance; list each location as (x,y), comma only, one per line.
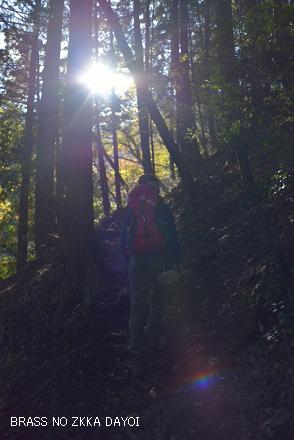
(175,61)
(99,144)
(148,60)
(111,163)
(149,101)
(197,102)
(59,185)
(259,85)
(187,123)
(225,42)
(102,171)
(284,47)
(152,146)
(142,111)
(45,215)
(206,67)
(78,157)
(115,107)
(149,34)
(115,150)
(226,55)
(22,243)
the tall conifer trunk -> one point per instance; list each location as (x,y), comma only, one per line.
(45,215)
(114,123)
(226,55)
(175,65)
(22,243)
(98,140)
(78,157)
(196,94)
(102,168)
(115,108)
(186,117)
(142,111)
(149,39)
(206,66)
(175,72)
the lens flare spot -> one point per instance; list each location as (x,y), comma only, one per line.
(202,381)
(101,79)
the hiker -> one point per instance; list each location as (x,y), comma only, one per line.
(149,241)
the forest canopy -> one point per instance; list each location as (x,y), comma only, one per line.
(93,93)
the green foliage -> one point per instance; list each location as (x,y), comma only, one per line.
(11,133)
(8,223)
(280,182)
(254,106)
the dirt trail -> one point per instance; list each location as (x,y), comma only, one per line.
(183,395)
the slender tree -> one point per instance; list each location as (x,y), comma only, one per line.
(115,108)
(142,111)
(228,67)
(148,58)
(98,138)
(284,39)
(78,156)
(149,41)
(22,243)
(114,124)
(175,61)
(207,68)
(45,218)
(149,101)
(186,117)
(197,102)
(101,165)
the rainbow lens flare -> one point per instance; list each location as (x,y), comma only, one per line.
(202,381)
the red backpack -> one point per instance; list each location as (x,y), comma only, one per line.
(146,236)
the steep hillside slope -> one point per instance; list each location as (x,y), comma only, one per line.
(227,372)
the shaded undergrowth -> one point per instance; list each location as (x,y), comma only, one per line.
(227,372)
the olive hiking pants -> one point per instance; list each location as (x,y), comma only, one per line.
(147,301)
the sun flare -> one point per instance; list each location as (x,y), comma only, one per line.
(102,78)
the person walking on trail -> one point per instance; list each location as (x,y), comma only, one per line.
(149,241)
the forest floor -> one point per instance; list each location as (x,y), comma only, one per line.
(227,372)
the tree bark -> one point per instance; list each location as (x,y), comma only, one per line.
(45,215)
(206,66)
(22,242)
(175,61)
(197,101)
(148,61)
(102,171)
(111,163)
(284,49)
(149,101)
(187,123)
(115,150)
(142,111)
(99,144)
(78,157)
(115,106)
(226,55)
